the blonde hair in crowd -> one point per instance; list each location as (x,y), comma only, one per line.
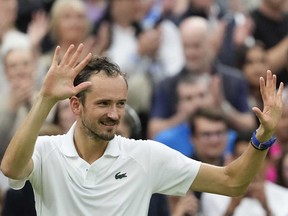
(57,9)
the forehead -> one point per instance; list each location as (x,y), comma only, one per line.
(195,87)
(107,86)
(18,55)
(203,123)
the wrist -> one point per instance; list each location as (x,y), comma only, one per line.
(259,144)
(263,135)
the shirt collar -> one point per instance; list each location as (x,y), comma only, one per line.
(69,150)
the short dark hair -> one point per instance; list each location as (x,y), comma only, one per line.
(208,113)
(95,66)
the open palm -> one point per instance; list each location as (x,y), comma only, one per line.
(272,100)
(58,83)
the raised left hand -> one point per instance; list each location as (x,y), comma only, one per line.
(273,105)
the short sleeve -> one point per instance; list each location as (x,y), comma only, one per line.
(172,173)
(36,157)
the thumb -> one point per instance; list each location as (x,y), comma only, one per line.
(257,112)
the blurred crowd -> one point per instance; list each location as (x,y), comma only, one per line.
(193,69)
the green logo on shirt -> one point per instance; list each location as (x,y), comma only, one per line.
(120,175)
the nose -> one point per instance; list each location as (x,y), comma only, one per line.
(113,113)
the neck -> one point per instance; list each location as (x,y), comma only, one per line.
(88,149)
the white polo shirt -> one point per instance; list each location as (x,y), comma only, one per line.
(121,182)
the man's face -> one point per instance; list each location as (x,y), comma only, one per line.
(193,96)
(72,24)
(19,65)
(130,10)
(104,106)
(196,50)
(255,66)
(209,138)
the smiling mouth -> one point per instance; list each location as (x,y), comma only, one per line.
(110,123)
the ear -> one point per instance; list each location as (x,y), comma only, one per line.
(75,105)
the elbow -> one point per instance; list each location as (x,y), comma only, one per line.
(8,171)
(5,169)
(235,191)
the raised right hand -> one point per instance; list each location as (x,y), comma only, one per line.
(58,83)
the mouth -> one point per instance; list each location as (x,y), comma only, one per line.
(110,123)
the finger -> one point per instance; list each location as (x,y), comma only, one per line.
(258,113)
(274,82)
(82,64)
(56,55)
(262,86)
(75,57)
(269,78)
(280,90)
(82,86)
(67,55)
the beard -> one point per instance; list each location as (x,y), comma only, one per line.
(94,133)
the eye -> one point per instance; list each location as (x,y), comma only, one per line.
(103,103)
(121,104)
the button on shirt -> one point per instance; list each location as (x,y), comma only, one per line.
(121,182)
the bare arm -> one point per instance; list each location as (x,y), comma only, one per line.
(58,84)
(238,120)
(277,55)
(233,179)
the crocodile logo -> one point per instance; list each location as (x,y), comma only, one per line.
(120,175)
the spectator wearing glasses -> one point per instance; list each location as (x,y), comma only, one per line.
(210,134)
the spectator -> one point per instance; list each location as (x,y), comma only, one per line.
(209,137)
(69,25)
(271,27)
(262,197)
(282,170)
(229,92)
(237,32)
(130,126)
(93,156)
(63,116)
(20,70)
(8,14)
(282,140)
(146,52)
(193,92)
(253,62)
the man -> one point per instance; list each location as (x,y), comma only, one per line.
(91,171)
(230,92)
(271,27)
(209,137)
(193,92)
(261,198)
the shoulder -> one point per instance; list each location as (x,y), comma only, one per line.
(142,147)
(47,143)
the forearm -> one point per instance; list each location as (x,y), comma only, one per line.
(16,161)
(238,120)
(277,55)
(242,170)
